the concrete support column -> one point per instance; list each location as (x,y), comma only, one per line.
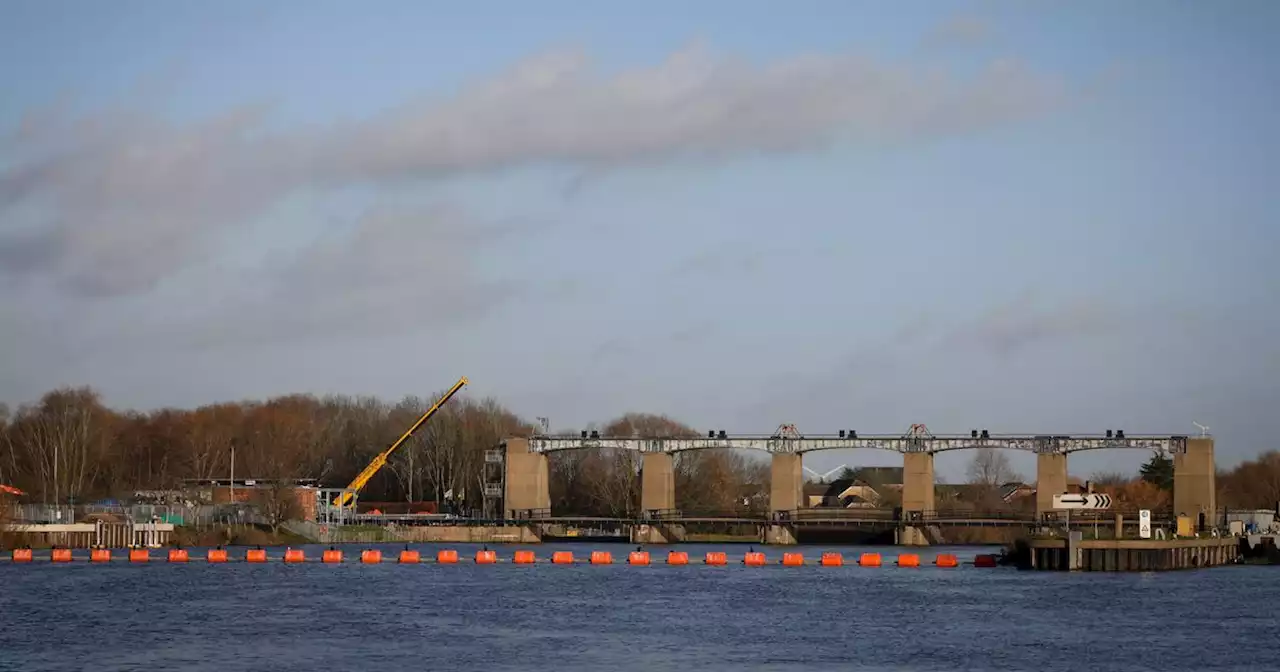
(657,482)
(917,483)
(1051,479)
(1195,481)
(527,480)
(786,482)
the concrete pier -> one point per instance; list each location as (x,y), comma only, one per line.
(528,482)
(786,487)
(1132,555)
(657,482)
(1194,482)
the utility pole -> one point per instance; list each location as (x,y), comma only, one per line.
(233,471)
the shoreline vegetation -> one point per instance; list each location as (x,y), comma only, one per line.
(69,447)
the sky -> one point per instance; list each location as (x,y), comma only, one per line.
(1039,217)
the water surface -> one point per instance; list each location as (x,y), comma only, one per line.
(544,617)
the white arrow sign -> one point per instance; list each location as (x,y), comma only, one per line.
(1089,501)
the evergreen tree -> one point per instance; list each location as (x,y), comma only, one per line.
(1158,471)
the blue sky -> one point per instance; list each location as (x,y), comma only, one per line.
(1023,216)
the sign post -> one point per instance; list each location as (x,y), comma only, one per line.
(1068,501)
(1144,523)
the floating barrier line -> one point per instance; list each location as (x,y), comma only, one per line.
(523,557)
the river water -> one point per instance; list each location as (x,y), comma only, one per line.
(548,617)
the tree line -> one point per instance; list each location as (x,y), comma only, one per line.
(69,447)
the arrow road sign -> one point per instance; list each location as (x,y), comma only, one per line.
(1084,501)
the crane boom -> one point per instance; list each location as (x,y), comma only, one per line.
(380,459)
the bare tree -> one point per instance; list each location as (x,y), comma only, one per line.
(63,439)
(990,467)
(279,504)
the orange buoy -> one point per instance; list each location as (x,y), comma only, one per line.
(562,558)
(139,555)
(100,555)
(908,560)
(60,555)
(255,555)
(296,555)
(601,558)
(869,560)
(677,558)
(946,560)
(792,559)
(22,555)
(638,558)
(718,558)
(832,560)
(447,556)
(179,555)
(370,556)
(985,561)
(754,559)
(216,555)
(524,558)
(486,557)
(331,556)
(408,557)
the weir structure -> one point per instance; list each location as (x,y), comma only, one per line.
(526,495)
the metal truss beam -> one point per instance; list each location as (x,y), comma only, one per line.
(899,444)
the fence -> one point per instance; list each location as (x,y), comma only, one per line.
(202,515)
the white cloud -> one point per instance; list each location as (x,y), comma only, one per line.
(112,203)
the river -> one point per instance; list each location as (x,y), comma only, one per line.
(271,617)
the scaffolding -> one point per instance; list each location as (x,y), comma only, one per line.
(495,475)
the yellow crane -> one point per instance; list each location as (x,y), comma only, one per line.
(381,459)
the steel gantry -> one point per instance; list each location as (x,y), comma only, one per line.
(918,439)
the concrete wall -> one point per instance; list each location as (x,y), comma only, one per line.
(459,534)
